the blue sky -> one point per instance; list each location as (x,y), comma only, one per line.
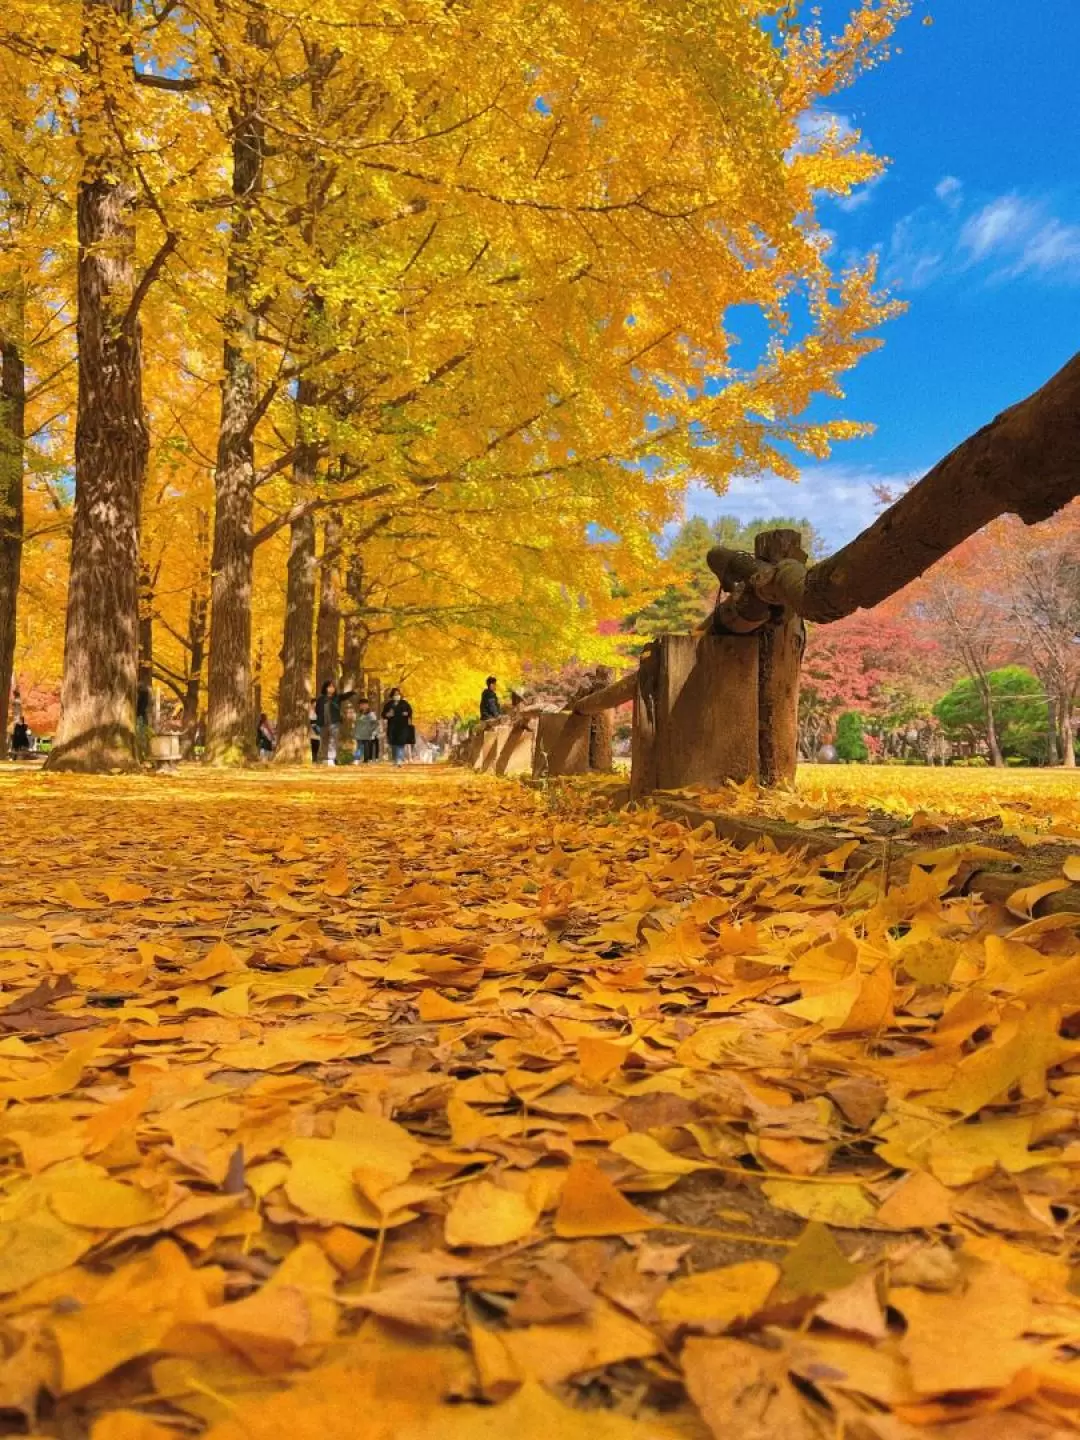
(977,222)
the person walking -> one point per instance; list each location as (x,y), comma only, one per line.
(490,709)
(22,740)
(265,739)
(366,735)
(400,732)
(328,714)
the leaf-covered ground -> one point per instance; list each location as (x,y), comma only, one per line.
(426,1107)
(1046,801)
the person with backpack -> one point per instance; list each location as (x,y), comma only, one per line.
(400,731)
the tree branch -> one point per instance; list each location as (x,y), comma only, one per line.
(149,275)
(309,507)
(178,84)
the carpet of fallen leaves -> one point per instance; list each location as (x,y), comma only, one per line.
(1043,800)
(424,1106)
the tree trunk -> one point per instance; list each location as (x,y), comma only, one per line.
(1025,462)
(197,616)
(328,631)
(144,703)
(294,693)
(355,641)
(1068,736)
(297,652)
(230,730)
(101,641)
(994,746)
(12,445)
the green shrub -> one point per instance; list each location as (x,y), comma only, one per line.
(850,745)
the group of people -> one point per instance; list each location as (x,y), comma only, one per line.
(397,717)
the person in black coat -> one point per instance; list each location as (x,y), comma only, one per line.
(397,712)
(21,739)
(490,709)
(328,715)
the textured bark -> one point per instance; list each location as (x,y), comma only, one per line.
(294,692)
(12,445)
(328,629)
(695,713)
(145,708)
(97,699)
(355,640)
(780,651)
(602,730)
(198,611)
(1026,462)
(1068,742)
(610,697)
(230,726)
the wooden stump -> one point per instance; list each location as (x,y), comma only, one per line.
(780,651)
(562,744)
(695,712)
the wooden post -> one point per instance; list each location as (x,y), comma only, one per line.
(780,651)
(515,755)
(602,728)
(488,748)
(695,712)
(562,744)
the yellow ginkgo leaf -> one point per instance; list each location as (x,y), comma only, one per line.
(591,1205)
(648,1154)
(486,1214)
(718,1298)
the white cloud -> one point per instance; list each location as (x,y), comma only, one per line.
(1001,225)
(949,190)
(1054,249)
(1010,236)
(918,250)
(838,500)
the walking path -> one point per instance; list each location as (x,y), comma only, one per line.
(423,1105)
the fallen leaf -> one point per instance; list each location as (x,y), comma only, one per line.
(486,1214)
(743,1391)
(716,1299)
(591,1205)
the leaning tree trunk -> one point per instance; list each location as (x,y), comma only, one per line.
(230,730)
(12,445)
(101,641)
(1026,462)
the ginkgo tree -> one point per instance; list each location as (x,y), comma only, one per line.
(421,263)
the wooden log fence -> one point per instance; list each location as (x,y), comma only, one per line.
(722,704)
